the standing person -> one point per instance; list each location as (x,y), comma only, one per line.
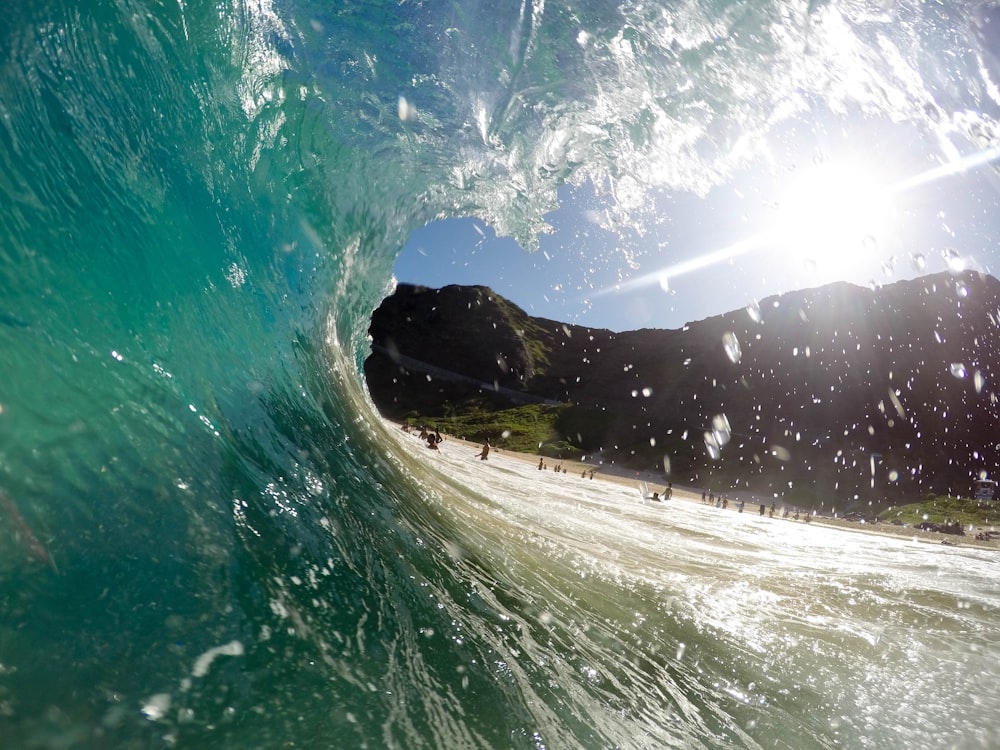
(485,453)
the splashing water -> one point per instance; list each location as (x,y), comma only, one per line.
(731,345)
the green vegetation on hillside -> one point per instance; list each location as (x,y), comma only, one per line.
(525,429)
(941,509)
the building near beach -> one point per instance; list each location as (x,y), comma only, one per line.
(985,489)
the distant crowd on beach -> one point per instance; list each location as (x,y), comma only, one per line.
(722,501)
(432,436)
(433,439)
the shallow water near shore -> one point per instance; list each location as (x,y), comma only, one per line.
(770,632)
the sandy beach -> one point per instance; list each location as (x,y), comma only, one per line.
(630,477)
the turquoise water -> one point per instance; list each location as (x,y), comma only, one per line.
(205,541)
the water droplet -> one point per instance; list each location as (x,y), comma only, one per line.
(155,708)
(712,447)
(405,110)
(918,262)
(979,381)
(721,431)
(732,346)
(782,454)
(753,310)
(958,369)
(954,261)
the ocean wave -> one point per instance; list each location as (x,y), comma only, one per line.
(209,541)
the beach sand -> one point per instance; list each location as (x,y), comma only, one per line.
(656,482)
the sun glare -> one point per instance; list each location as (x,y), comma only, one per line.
(830,218)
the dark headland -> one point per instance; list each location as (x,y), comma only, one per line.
(843,395)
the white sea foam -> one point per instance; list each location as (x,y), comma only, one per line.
(204,662)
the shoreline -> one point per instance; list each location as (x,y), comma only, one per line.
(631,478)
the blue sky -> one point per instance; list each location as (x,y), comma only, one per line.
(869,208)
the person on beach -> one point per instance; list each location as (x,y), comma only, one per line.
(433,439)
(485,453)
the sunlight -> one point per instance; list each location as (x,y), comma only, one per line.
(956,165)
(664,275)
(831,218)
